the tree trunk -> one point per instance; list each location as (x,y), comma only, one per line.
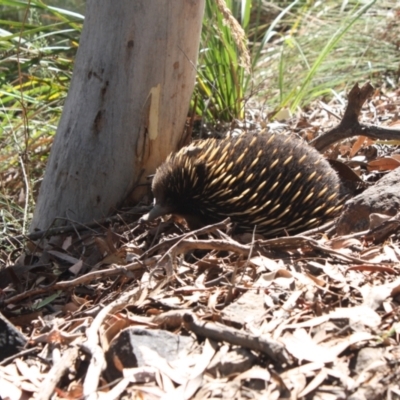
(126,108)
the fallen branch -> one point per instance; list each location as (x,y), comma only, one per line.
(350,126)
(214,331)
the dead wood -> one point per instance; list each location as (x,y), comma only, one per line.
(219,332)
(57,372)
(350,126)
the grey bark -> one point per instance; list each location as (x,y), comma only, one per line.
(126,108)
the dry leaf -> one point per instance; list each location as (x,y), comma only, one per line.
(383,164)
(357,146)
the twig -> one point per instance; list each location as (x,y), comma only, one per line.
(284,243)
(92,346)
(322,228)
(296,242)
(167,244)
(20,354)
(57,372)
(221,245)
(215,331)
(171,253)
(65,285)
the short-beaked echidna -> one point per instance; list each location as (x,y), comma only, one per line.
(273,182)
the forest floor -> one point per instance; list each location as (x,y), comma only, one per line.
(205,314)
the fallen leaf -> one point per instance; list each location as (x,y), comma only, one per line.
(383,164)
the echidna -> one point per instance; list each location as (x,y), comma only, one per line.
(273,182)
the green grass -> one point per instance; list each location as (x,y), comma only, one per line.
(298,51)
(327,50)
(224,63)
(295,98)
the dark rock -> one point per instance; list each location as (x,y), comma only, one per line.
(383,198)
(140,347)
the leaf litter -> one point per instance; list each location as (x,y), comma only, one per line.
(153,311)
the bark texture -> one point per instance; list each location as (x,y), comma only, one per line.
(126,108)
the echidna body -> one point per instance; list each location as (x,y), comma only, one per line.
(273,182)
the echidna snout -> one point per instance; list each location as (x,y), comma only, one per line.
(275,183)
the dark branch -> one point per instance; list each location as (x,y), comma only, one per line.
(349,126)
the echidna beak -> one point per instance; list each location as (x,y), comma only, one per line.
(155,212)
